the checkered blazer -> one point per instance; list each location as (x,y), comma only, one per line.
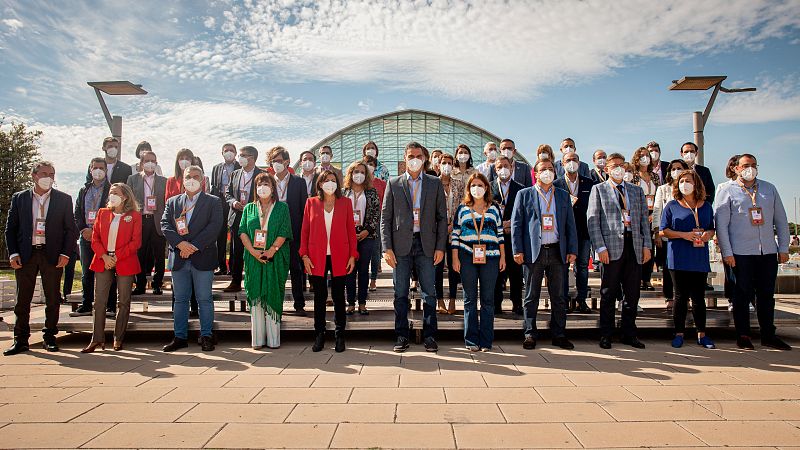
(606,228)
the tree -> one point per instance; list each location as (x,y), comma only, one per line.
(19,149)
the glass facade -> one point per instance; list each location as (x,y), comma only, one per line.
(391,132)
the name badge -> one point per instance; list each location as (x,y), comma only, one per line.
(478,254)
(547,222)
(260,239)
(39,230)
(416,216)
(242,196)
(626,217)
(574,199)
(357,217)
(91,217)
(756,217)
(651,201)
(150,203)
(180,224)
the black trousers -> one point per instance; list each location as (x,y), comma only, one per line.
(661,261)
(151,254)
(622,276)
(513,274)
(321,297)
(26,284)
(237,255)
(297,274)
(647,268)
(222,241)
(755,277)
(689,285)
(453,277)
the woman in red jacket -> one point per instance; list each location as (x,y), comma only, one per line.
(116,237)
(328,244)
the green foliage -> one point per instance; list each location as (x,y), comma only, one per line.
(19,149)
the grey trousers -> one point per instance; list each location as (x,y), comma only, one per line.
(102,286)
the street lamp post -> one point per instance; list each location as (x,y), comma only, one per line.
(699,120)
(115,88)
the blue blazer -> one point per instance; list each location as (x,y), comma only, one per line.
(526,228)
(204,227)
(60,230)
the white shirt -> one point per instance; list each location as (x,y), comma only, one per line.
(309,179)
(359,204)
(112,233)
(328,223)
(283,187)
(38,202)
(149,185)
(110,170)
(246,180)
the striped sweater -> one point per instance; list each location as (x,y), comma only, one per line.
(465,233)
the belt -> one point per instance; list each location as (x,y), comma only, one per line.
(553,245)
(38,247)
(147,216)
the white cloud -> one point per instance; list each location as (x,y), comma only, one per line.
(775,100)
(13,25)
(209,22)
(486,51)
(365,105)
(21,91)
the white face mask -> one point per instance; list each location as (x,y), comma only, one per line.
(446,168)
(686,188)
(191,185)
(674,173)
(358,178)
(112,152)
(278,167)
(600,163)
(329,187)
(98,174)
(504,173)
(184,163)
(507,152)
(371,152)
(628,177)
(492,155)
(435,161)
(264,191)
(414,164)
(689,157)
(243,160)
(571,166)
(229,157)
(477,191)
(654,155)
(45,183)
(618,173)
(544,156)
(325,158)
(749,174)
(462,158)
(644,161)
(114,200)
(307,164)
(547,176)
(149,166)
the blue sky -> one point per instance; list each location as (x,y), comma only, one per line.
(285,72)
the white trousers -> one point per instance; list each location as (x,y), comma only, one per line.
(264,330)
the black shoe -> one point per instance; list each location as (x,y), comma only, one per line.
(776,343)
(401,345)
(138,291)
(744,343)
(431,345)
(157,290)
(16,348)
(517,311)
(82,310)
(563,343)
(583,308)
(221,272)
(709,287)
(605,342)
(339,346)
(235,286)
(648,287)
(529,343)
(177,343)
(319,342)
(633,341)
(207,344)
(300,311)
(50,345)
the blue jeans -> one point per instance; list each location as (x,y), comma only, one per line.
(377,256)
(87,278)
(182,283)
(480,333)
(360,273)
(581,272)
(550,264)
(402,279)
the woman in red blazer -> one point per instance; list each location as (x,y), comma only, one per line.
(328,244)
(116,238)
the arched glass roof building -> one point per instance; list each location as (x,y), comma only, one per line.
(392,131)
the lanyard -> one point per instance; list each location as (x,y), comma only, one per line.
(475,223)
(624,196)
(503,195)
(547,200)
(44,202)
(415,188)
(577,185)
(693,210)
(148,185)
(746,191)
(185,211)
(249,182)
(285,182)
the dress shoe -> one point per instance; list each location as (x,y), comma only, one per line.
(82,310)
(744,343)
(300,311)
(350,310)
(93,346)
(220,272)
(776,343)
(233,287)
(207,344)
(529,343)
(401,344)
(633,341)
(362,310)
(583,308)
(431,345)
(16,348)
(176,344)
(50,345)
(319,342)
(339,346)
(563,342)
(138,291)
(605,342)
(157,290)
(213,339)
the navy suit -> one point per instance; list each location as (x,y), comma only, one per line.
(296,196)
(203,227)
(708,181)
(513,272)
(522,174)
(583,169)
(579,208)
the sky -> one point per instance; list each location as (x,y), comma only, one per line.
(289,73)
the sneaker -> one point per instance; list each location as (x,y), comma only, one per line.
(677,341)
(431,345)
(82,311)
(706,342)
(401,344)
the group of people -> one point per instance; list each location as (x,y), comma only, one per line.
(500,223)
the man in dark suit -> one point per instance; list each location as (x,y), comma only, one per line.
(414,233)
(308,171)
(150,189)
(240,192)
(599,173)
(220,179)
(567,146)
(191,223)
(504,191)
(544,240)
(40,235)
(291,190)
(661,168)
(520,171)
(91,197)
(579,189)
(689,154)
(116,170)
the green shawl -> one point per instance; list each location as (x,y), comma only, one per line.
(265,283)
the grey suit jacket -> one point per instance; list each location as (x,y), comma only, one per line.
(606,228)
(397,220)
(136,182)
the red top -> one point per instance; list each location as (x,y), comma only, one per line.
(533,174)
(314,236)
(129,239)
(379,186)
